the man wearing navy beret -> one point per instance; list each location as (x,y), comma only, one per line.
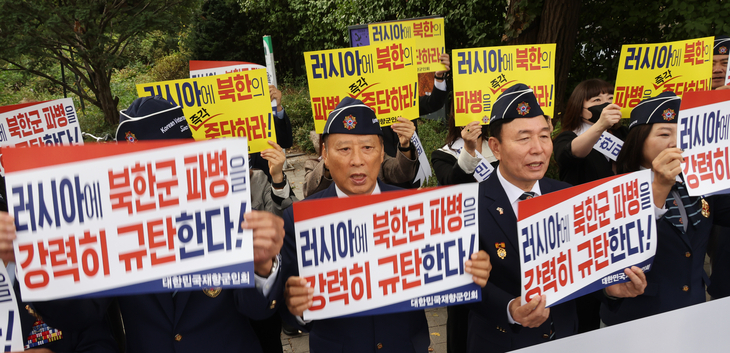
(719,62)
(520,140)
(353,152)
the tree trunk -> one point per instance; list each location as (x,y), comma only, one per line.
(557,23)
(107,102)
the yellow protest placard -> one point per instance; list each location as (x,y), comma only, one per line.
(230,105)
(429,35)
(381,76)
(645,70)
(482,74)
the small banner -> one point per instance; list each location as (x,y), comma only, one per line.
(39,124)
(482,74)
(645,70)
(236,104)
(703,132)
(429,34)
(108,219)
(382,76)
(203,68)
(580,240)
(391,252)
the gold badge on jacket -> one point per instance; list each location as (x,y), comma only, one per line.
(501,251)
(213,292)
(705,208)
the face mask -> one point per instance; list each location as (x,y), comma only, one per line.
(596,111)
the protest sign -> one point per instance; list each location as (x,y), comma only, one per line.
(39,124)
(429,34)
(381,76)
(609,145)
(482,74)
(703,133)
(391,252)
(203,68)
(580,240)
(10,329)
(236,104)
(645,70)
(108,219)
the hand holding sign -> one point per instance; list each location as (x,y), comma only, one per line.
(298,295)
(268,236)
(470,134)
(7,235)
(275,156)
(479,266)
(532,314)
(629,289)
(446,61)
(275,94)
(405,129)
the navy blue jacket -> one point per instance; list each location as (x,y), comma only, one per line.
(489,328)
(677,278)
(398,333)
(191,321)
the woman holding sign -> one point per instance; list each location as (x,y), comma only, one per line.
(589,115)
(676,278)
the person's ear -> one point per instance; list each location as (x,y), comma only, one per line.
(495,146)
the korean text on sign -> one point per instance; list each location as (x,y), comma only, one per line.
(235,104)
(383,76)
(703,133)
(388,250)
(579,240)
(482,74)
(40,124)
(428,34)
(645,70)
(148,217)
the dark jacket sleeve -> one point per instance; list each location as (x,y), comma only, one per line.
(563,154)
(448,171)
(430,103)
(399,169)
(283,131)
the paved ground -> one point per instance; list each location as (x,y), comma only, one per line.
(436,326)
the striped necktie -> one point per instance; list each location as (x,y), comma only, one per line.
(527,195)
(691,207)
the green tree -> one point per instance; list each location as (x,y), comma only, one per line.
(89,38)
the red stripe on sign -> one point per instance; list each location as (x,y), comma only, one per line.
(530,207)
(207,64)
(697,99)
(9,108)
(309,209)
(25,158)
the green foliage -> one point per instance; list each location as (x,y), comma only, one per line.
(229,30)
(295,98)
(171,67)
(89,38)
(433,136)
(606,25)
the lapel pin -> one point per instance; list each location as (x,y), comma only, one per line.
(500,210)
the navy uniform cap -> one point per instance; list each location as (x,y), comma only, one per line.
(663,108)
(722,45)
(517,101)
(152,118)
(353,117)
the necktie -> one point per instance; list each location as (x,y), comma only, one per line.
(527,195)
(690,205)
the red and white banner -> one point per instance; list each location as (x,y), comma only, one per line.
(703,132)
(580,240)
(391,252)
(39,124)
(108,219)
